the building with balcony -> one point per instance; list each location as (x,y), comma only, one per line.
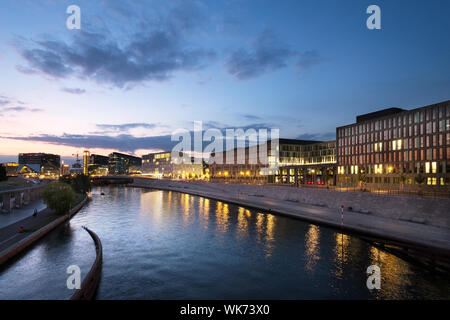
(396,148)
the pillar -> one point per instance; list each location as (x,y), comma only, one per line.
(26,196)
(7,202)
(18,200)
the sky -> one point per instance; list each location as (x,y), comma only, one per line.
(137,71)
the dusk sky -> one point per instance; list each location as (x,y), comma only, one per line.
(138,70)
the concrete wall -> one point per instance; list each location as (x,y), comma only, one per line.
(431,211)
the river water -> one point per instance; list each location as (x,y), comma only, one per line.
(168,245)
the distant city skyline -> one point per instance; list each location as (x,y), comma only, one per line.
(137,71)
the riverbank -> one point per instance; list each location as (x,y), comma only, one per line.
(12,242)
(402,227)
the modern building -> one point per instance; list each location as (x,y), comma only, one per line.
(86,155)
(11,168)
(316,165)
(42,164)
(161,165)
(95,164)
(120,163)
(396,147)
(250,168)
(65,169)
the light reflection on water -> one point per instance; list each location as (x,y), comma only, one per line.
(167,245)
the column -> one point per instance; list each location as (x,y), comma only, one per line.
(7,202)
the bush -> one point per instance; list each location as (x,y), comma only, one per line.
(59,197)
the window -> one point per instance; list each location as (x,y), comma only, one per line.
(433,167)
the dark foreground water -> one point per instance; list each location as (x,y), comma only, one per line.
(167,245)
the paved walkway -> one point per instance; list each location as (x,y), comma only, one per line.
(10,235)
(397,230)
(8,218)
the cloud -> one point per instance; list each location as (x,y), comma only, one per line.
(327,136)
(125,127)
(251,117)
(123,142)
(148,53)
(308,59)
(4,102)
(266,54)
(74,90)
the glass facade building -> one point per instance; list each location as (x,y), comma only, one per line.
(161,165)
(45,163)
(120,163)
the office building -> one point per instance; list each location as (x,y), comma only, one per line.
(396,147)
(120,163)
(315,165)
(41,164)
(161,165)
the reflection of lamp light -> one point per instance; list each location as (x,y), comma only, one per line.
(389,169)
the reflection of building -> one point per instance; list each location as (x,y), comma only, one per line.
(161,165)
(11,168)
(316,165)
(120,163)
(43,164)
(396,147)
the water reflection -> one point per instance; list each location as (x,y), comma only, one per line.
(167,245)
(312,245)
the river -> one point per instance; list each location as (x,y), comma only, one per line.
(168,245)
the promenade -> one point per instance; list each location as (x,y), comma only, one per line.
(434,238)
(9,235)
(7,218)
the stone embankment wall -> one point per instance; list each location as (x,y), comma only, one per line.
(91,281)
(430,211)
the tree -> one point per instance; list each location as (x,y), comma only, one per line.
(3,176)
(362,179)
(81,184)
(59,197)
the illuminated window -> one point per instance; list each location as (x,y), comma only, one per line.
(427,167)
(433,167)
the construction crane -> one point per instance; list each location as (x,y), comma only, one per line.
(77,164)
